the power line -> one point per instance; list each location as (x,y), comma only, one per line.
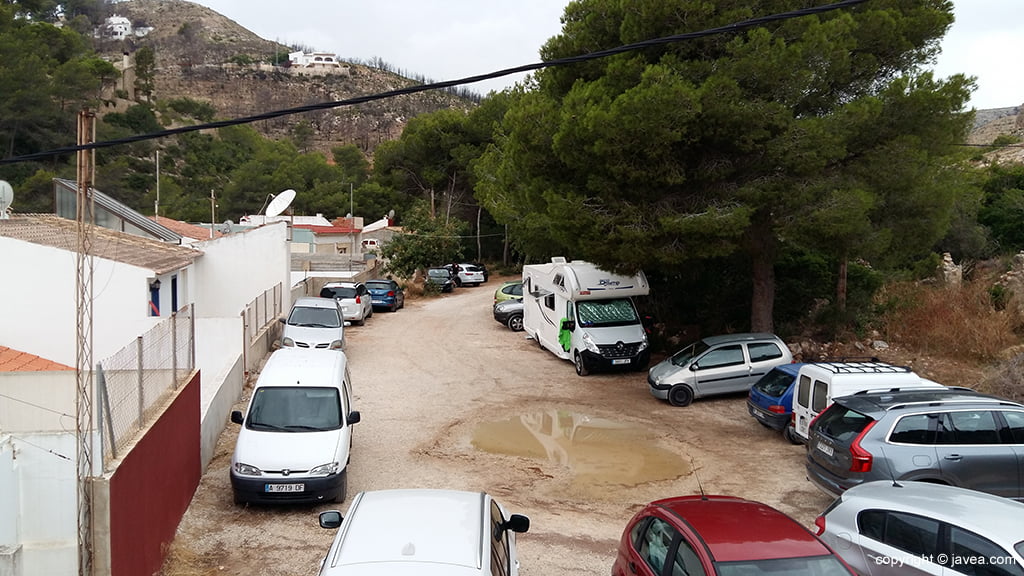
(728,28)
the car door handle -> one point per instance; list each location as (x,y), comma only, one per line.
(632,567)
(954,457)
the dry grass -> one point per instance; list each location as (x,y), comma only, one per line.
(960,323)
(183,561)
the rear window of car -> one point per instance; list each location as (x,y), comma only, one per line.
(774,383)
(338,292)
(761,351)
(840,423)
(378,285)
(805,566)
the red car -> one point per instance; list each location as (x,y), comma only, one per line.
(723,535)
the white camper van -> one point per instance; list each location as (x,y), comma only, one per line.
(818,383)
(296,433)
(584,314)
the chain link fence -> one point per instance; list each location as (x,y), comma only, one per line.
(261,312)
(135,382)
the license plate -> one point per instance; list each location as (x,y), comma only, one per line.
(376,300)
(824,448)
(760,413)
(284,487)
(620,361)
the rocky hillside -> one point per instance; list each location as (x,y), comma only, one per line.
(201,54)
(992,123)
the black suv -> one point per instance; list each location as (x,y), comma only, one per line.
(952,436)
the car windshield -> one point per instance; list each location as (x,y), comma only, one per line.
(806,566)
(378,285)
(314,317)
(774,383)
(338,292)
(294,409)
(840,423)
(683,357)
(618,312)
(437,273)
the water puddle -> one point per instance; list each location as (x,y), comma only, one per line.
(597,451)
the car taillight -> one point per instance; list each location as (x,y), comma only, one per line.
(861,459)
(820,523)
(358,301)
(777,409)
(391,293)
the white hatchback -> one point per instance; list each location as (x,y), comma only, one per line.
(423,532)
(354,298)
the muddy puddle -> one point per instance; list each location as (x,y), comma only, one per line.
(598,452)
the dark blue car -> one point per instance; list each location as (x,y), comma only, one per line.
(386,294)
(771,398)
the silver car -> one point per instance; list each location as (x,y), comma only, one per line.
(952,436)
(886,527)
(314,323)
(716,365)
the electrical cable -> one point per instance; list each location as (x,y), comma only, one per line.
(750,23)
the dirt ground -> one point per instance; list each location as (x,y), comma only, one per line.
(452,399)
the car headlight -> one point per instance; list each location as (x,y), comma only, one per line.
(286,341)
(337,345)
(324,469)
(247,470)
(643,343)
(589,343)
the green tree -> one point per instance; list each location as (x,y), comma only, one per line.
(145,71)
(707,147)
(427,241)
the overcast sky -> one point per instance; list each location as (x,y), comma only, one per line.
(451,39)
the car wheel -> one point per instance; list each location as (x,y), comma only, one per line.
(790,435)
(370,313)
(581,365)
(393,308)
(515,323)
(680,395)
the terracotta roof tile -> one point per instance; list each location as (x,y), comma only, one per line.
(185,229)
(15,361)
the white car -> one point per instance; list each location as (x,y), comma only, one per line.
(469,274)
(887,527)
(314,323)
(354,297)
(423,532)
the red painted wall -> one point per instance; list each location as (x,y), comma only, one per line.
(153,486)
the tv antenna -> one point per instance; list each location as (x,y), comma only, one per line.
(6,197)
(280,203)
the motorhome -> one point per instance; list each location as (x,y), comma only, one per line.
(584,314)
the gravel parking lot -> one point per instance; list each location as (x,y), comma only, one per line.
(451,399)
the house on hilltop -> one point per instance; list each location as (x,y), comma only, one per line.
(316,63)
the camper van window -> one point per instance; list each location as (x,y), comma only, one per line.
(295,409)
(618,312)
(549,301)
(559,281)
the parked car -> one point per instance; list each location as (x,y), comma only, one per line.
(296,433)
(441,278)
(483,268)
(716,365)
(423,532)
(464,274)
(314,323)
(770,400)
(354,298)
(952,436)
(924,528)
(819,382)
(508,290)
(386,294)
(720,535)
(510,313)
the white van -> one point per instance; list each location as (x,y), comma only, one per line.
(818,383)
(296,433)
(584,314)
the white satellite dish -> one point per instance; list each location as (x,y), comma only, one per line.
(280,202)
(6,197)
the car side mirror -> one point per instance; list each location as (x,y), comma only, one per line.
(353,417)
(236,417)
(569,325)
(516,523)
(330,519)
(282,320)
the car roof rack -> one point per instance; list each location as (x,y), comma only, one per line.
(862,365)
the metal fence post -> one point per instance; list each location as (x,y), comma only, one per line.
(191,337)
(174,349)
(142,387)
(101,385)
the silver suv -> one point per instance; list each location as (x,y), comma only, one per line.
(952,436)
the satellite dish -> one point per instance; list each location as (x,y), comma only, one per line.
(391,214)
(6,197)
(226,227)
(280,202)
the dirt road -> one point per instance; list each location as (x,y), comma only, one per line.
(451,399)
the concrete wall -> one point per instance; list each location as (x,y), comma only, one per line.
(238,267)
(37,401)
(120,309)
(219,343)
(10,544)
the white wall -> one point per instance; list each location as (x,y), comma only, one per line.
(236,268)
(37,401)
(38,304)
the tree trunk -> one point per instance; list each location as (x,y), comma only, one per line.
(762,248)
